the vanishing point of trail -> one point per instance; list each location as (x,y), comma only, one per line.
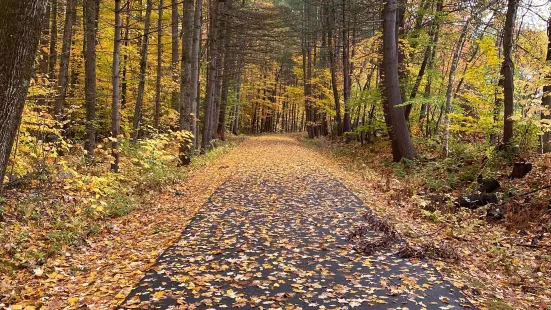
(274,235)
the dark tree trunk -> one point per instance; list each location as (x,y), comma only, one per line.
(211,83)
(186,97)
(228,61)
(20,32)
(546,100)
(157,116)
(91,8)
(124,86)
(175,98)
(53,40)
(347,79)
(63,79)
(508,70)
(400,132)
(143,65)
(115,113)
(196,58)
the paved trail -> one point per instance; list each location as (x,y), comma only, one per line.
(274,236)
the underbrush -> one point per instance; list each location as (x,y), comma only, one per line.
(74,197)
(420,196)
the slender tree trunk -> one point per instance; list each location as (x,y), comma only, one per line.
(90,9)
(126,40)
(211,84)
(63,79)
(53,40)
(195,61)
(186,96)
(20,37)
(228,62)
(115,113)
(347,126)
(458,50)
(143,65)
(508,71)
(157,117)
(400,132)
(175,98)
(546,99)
(333,69)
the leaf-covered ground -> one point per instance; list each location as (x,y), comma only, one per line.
(274,235)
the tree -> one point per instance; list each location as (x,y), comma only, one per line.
(195,62)
(211,75)
(91,11)
(20,37)
(186,97)
(508,71)
(115,106)
(400,133)
(174,43)
(157,117)
(546,99)
(63,79)
(143,66)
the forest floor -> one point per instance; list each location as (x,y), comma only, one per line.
(502,264)
(277,174)
(275,234)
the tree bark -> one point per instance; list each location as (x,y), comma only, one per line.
(20,33)
(115,113)
(186,85)
(400,132)
(211,83)
(157,117)
(91,8)
(195,61)
(175,97)
(226,75)
(347,126)
(546,99)
(508,71)
(63,79)
(53,40)
(143,65)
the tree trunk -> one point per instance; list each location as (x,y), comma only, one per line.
(228,61)
(115,114)
(53,40)
(397,117)
(143,65)
(157,117)
(211,83)
(195,61)
(508,71)
(186,96)
(333,69)
(347,126)
(175,98)
(63,79)
(126,40)
(449,91)
(546,99)
(90,10)
(20,37)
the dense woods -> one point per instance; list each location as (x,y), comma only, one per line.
(96,96)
